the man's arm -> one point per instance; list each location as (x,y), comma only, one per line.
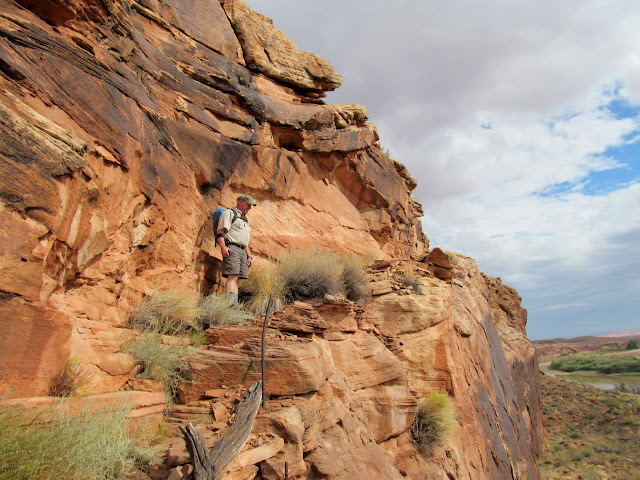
(221,242)
(249,257)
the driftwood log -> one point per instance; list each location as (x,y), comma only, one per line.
(212,465)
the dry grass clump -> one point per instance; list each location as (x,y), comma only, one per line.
(309,274)
(306,274)
(168,311)
(173,312)
(166,363)
(262,282)
(219,310)
(51,445)
(434,420)
(68,380)
(355,284)
(409,279)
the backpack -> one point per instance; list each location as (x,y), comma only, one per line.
(215,217)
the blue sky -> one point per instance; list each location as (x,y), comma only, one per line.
(521,123)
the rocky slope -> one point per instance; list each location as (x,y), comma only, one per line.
(123,124)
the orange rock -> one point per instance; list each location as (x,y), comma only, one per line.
(105,198)
(291,368)
(365,361)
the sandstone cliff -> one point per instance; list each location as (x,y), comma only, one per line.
(123,124)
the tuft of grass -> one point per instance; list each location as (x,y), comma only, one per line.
(166,363)
(354,280)
(168,311)
(197,337)
(219,310)
(68,380)
(409,279)
(434,420)
(262,282)
(51,445)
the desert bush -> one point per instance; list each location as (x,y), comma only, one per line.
(434,420)
(168,311)
(219,310)
(354,280)
(262,282)
(69,379)
(632,345)
(309,274)
(50,445)
(166,363)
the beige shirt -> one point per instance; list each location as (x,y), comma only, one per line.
(239,232)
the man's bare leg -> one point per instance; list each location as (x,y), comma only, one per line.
(232,287)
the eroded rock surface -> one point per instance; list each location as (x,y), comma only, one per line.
(122,126)
(343,399)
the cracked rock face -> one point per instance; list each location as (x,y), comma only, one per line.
(123,125)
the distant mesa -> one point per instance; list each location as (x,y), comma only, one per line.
(631,332)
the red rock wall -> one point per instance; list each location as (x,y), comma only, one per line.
(123,127)
(124,124)
(466,337)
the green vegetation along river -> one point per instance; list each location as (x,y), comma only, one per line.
(602,380)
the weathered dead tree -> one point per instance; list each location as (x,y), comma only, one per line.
(264,337)
(212,465)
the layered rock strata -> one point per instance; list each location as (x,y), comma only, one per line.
(123,125)
(344,380)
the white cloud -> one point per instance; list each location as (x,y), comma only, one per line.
(538,76)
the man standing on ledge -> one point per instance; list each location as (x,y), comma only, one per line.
(233,235)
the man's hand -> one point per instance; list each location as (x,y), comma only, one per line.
(225,251)
(249,261)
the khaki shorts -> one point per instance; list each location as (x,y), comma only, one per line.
(235,263)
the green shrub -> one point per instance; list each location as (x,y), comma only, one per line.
(168,311)
(68,379)
(632,345)
(51,446)
(434,420)
(166,363)
(309,274)
(219,310)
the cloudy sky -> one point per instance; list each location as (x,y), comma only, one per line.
(520,119)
